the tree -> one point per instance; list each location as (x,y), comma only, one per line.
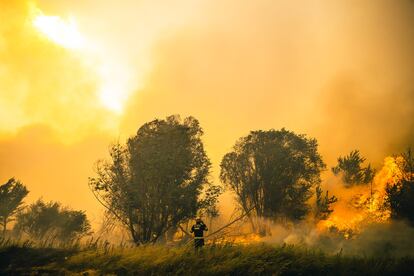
(210,208)
(400,195)
(323,204)
(50,222)
(11,199)
(273,171)
(155,182)
(351,170)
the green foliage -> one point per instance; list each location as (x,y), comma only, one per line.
(49,222)
(11,199)
(400,196)
(351,170)
(208,205)
(323,204)
(155,182)
(273,171)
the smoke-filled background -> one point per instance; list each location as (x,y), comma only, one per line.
(339,71)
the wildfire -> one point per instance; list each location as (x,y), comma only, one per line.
(362,205)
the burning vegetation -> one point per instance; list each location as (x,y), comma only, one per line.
(155,185)
(361,205)
(279,194)
(357,210)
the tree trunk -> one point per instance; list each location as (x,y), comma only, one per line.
(132,232)
(253,224)
(4,226)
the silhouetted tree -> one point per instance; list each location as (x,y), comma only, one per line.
(323,203)
(50,222)
(210,208)
(400,196)
(273,171)
(11,199)
(351,170)
(155,182)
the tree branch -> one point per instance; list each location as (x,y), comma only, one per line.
(184,231)
(231,223)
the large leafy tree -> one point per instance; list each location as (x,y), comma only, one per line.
(156,181)
(12,194)
(351,169)
(400,195)
(273,172)
(50,222)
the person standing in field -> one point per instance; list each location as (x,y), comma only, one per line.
(198,229)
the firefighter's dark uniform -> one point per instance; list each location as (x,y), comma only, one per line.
(198,230)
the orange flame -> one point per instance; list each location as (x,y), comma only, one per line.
(362,205)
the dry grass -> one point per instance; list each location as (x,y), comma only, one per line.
(228,259)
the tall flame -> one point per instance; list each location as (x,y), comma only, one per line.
(362,205)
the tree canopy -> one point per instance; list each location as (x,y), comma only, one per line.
(351,170)
(50,222)
(156,181)
(400,195)
(273,171)
(12,194)
(323,203)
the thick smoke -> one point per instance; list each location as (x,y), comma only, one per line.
(339,71)
(360,223)
(380,240)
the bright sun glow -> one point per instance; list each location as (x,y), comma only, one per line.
(62,32)
(115,83)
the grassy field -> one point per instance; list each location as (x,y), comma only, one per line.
(258,259)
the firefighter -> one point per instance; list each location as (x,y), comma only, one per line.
(198,229)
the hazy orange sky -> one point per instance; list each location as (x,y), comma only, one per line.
(340,71)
